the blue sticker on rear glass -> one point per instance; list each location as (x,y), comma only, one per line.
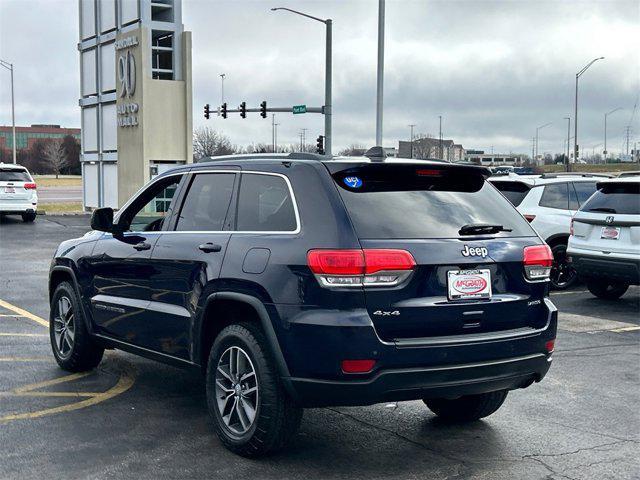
(353,182)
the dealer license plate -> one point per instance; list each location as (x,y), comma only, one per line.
(610,233)
(9,190)
(463,284)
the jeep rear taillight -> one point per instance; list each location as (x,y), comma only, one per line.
(30,186)
(356,268)
(537,262)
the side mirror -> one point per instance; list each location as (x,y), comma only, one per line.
(102,219)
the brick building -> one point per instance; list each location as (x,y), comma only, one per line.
(27,136)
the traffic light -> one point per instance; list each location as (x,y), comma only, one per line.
(223,110)
(243,109)
(320,144)
(207,112)
(263,109)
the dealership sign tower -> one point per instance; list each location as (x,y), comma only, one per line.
(135,70)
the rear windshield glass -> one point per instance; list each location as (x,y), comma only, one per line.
(14,176)
(514,191)
(415,202)
(620,198)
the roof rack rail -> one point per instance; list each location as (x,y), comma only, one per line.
(257,156)
(574,174)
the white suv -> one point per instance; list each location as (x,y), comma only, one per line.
(548,202)
(18,194)
(604,246)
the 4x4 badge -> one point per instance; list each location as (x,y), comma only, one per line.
(609,219)
(468,251)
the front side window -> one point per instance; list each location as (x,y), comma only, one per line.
(207,203)
(555,195)
(148,212)
(265,204)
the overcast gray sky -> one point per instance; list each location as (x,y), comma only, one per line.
(493,69)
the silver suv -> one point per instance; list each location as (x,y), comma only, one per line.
(604,245)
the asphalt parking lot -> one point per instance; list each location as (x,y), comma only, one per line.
(133,418)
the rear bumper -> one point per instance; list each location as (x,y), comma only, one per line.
(614,270)
(434,367)
(17,207)
(449,381)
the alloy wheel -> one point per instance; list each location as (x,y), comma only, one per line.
(562,272)
(64,327)
(236,390)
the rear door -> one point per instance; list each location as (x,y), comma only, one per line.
(422,210)
(188,258)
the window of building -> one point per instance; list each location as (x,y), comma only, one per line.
(555,195)
(207,203)
(265,205)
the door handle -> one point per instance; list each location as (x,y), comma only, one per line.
(142,246)
(210,247)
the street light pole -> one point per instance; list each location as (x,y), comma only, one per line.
(9,66)
(411,125)
(327,75)
(380,86)
(605,131)
(537,130)
(575,117)
(440,139)
(566,163)
(222,75)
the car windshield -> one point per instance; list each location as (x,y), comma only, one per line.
(514,191)
(621,198)
(11,175)
(416,202)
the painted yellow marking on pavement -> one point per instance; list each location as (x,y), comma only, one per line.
(570,292)
(125,382)
(24,313)
(4,334)
(25,359)
(48,383)
(626,329)
(54,394)
(11,315)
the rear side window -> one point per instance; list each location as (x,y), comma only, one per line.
(620,198)
(207,203)
(583,190)
(514,191)
(265,204)
(10,175)
(391,201)
(555,195)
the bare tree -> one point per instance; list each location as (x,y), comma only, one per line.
(209,143)
(423,146)
(353,150)
(55,155)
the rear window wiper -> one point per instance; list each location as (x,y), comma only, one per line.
(481,228)
(602,209)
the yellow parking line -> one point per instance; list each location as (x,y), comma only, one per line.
(54,394)
(4,334)
(570,292)
(48,383)
(24,313)
(626,329)
(124,383)
(13,315)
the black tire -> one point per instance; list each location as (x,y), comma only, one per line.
(607,290)
(28,217)
(276,418)
(468,408)
(78,352)
(563,275)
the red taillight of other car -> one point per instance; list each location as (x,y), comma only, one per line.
(356,268)
(30,186)
(537,262)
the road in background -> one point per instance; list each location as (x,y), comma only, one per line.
(580,422)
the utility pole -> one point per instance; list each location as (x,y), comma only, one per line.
(605,131)
(9,66)
(273,132)
(411,125)
(537,130)
(575,117)
(533,149)
(566,162)
(440,138)
(222,75)
(327,109)
(380,83)
(304,139)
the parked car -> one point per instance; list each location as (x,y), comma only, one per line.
(548,202)
(604,246)
(18,194)
(294,281)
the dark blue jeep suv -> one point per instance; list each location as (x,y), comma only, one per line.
(299,281)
